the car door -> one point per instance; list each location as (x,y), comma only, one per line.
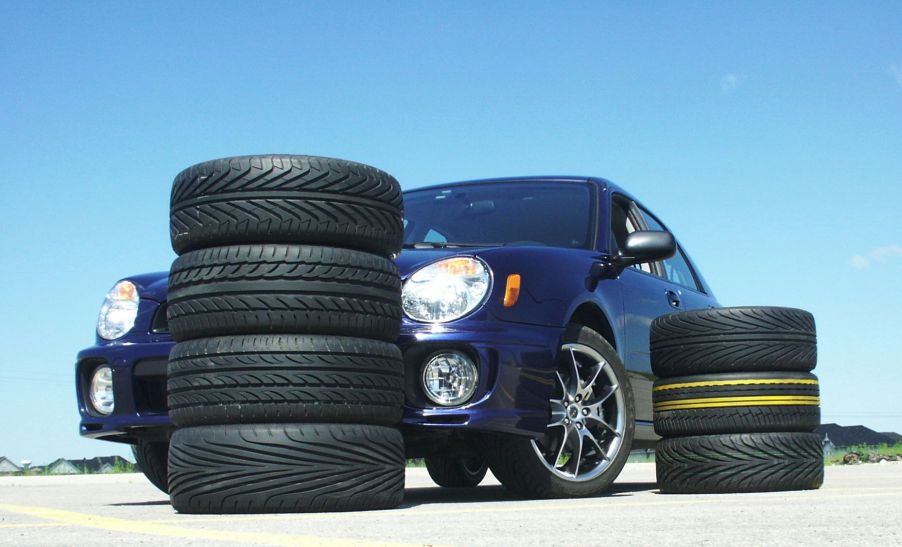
(650,290)
(687,291)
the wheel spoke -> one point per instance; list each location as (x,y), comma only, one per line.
(586,390)
(607,395)
(561,381)
(594,441)
(595,411)
(576,452)
(604,424)
(560,450)
(575,381)
(558,413)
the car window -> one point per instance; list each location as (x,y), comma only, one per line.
(679,271)
(676,268)
(433,236)
(553,213)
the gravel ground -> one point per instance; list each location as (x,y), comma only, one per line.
(858,504)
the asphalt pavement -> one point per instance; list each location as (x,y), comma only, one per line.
(857,504)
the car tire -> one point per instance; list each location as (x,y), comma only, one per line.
(287,199)
(285,378)
(456,472)
(746,462)
(522,464)
(742,339)
(278,468)
(265,289)
(745,402)
(153,459)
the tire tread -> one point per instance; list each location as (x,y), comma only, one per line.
(746,462)
(733,340)
(286,198)
(277,468)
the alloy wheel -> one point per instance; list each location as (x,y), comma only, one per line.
(588,416)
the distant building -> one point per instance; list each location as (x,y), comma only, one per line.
(62,466)
(844,436)
(7,466)
(105,464)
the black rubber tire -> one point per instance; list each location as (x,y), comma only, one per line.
(456,472)
(286,199)
(285,379)
(266,289)
(744,339)
(153,459)
(514,461)
(741,402)
(277,468)
(746,462)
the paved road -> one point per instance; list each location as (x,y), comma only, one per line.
(860,504)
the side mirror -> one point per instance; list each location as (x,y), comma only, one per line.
(645,246)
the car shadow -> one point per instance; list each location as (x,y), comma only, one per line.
(433,494)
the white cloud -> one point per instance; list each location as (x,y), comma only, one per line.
(859,262)
(896,72)
(731,82)
(878,254)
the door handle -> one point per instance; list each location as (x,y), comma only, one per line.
(673,298)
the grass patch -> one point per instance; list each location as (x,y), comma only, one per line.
(865,453)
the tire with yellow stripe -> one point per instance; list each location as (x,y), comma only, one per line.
(750,402)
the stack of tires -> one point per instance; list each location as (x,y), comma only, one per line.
(285,383)
(735,402)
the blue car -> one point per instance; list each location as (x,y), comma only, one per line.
(527,304)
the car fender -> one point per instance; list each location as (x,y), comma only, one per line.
(554,284)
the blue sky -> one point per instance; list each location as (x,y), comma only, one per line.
(767,135)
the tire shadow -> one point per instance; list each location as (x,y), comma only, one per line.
(427,495)
(414,497)
(139,503)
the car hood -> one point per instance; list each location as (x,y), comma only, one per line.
(154,285)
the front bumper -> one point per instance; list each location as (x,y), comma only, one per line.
(516,372)
(139,386)
(516,365)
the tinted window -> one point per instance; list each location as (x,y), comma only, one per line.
(556,214)
(676,268)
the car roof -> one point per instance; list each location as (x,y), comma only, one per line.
(602,183)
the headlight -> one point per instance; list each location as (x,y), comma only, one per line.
(446,290)
(101,391)
(450,378)
(119,310)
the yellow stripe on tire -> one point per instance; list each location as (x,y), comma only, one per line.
(720,402)
(713,383)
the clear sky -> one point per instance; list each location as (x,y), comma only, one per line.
(767,135)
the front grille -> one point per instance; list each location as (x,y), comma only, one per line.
(160,325)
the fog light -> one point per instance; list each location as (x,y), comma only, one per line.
(450,378)
(102,391)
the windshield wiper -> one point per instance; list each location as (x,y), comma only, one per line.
(446,245)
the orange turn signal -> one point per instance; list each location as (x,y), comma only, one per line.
(512,290)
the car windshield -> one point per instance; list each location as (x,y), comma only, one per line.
(557,214)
